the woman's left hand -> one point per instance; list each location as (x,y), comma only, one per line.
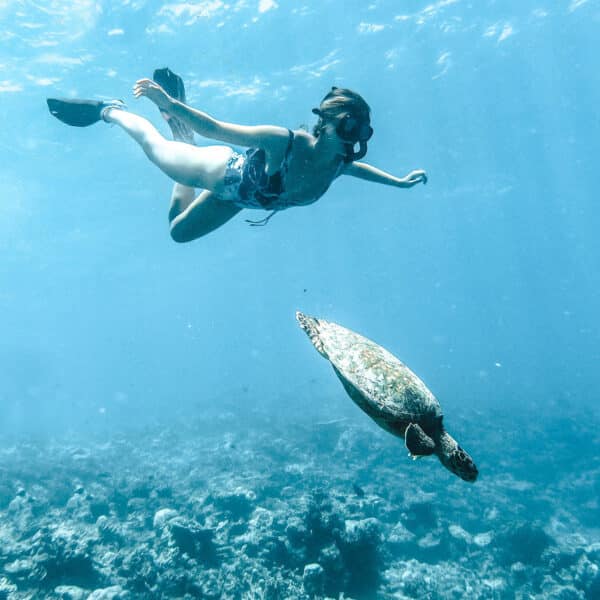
(152,91)
(416,176)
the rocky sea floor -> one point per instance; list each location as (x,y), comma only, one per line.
(260,505)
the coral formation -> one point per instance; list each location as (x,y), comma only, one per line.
(200,511)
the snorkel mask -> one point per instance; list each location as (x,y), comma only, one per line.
(352,130)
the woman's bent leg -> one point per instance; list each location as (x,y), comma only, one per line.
(186,164)
(181,197)
(205,214)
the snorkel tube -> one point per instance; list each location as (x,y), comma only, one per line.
(351,156)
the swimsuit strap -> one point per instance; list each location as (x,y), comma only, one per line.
(286,157)
(280,175)
(261,222)
(290,142)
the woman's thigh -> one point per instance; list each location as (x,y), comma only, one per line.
(193,166)
(205,214)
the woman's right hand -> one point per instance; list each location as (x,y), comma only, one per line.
(414,177)
(152,91)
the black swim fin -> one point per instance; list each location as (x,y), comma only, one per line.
(170,82)
(173,85)
(80,113)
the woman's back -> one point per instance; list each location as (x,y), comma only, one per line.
(309,172)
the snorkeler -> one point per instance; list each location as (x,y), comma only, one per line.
(281,169)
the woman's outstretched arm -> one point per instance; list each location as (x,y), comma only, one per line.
(263,136)
(369,173)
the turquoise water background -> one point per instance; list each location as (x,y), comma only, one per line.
(485,281)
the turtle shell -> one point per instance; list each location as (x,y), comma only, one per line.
(384,387)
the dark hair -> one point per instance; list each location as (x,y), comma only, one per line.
(340,101)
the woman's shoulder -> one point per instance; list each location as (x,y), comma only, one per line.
(303,141)
(302,136)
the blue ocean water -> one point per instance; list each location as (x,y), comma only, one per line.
(126,359)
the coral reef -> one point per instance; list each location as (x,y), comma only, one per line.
(204,510)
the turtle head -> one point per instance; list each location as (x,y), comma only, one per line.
(455,459)
(461,464)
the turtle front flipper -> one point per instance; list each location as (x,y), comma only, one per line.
(418,442)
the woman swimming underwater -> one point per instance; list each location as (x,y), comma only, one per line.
(282,168)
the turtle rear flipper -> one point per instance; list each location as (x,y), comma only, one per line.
(310,325)
(418,442)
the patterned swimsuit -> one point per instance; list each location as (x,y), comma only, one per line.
(247,184)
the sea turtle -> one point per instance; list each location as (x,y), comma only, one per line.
(389,392)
